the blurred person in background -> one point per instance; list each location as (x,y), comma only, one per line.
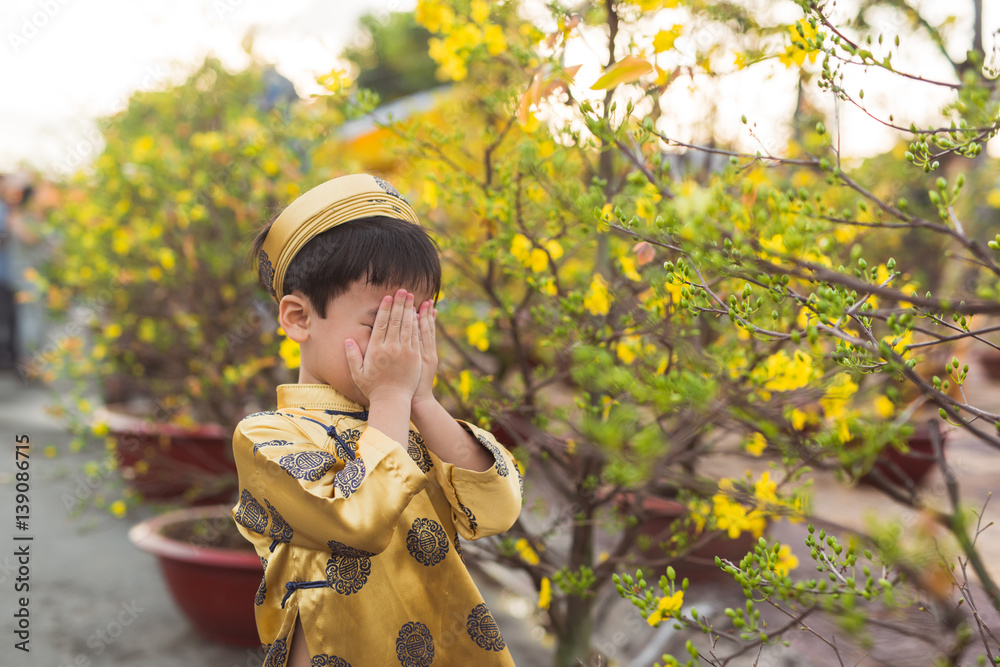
(15,193)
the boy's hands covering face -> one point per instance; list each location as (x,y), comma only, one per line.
(391,365)
(426,319)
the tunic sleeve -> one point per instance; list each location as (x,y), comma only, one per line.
(294,491)
(483,503)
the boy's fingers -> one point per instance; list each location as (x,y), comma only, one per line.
(353,357)
(396,314)
(381,320)
(407,329)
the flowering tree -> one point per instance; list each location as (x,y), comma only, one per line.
(623,312)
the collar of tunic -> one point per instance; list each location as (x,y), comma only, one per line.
(315,396)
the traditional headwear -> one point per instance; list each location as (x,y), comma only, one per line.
(326,205)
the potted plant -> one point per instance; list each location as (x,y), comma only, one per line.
(211,570)
(148,272)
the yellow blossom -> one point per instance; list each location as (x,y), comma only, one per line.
(628,268)
(765,490)
(784,374)
(289,351)
(628,348)
(477,335)
(799,419)
(787,561)
(884,407)
(118,508)
(544,593)
(757,444)
(465,384)
(527,554)
(50,451)
(598,300)
(671,603)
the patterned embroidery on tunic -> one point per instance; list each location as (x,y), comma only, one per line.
(414,645)
(341,549)
(262,412)
(350,437)
(250,514)
(427,542)
(310,465)
(388,188)
(347,574)
(418,452)
(349,479)
(483,629)
(458,547)
(468,513)
(520,479)
(280,530)
(276,654)
(267,272)
(329,661)
(269,443)
(501,464)
(262,589)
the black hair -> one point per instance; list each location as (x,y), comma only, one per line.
(383,251)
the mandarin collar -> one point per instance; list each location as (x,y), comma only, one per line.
(315,396)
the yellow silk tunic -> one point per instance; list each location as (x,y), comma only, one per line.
(359,536)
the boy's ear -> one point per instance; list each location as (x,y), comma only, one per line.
(295,314)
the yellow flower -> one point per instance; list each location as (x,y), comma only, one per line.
(765,489)
(628,348)
(434,15)
(796,52)
(290,352)
(799,419)
(545,594)
(520,248)
(538,261)
(884,407)
(655,618)
(598,300)
(757,444)
(787,561)
(166,257)
(50,451)
(113,330)
(118,508)
(628,268)
(100,429)
(477,335)
(784,374)
(671,603)
(527,554)
(464,384)
(554,248)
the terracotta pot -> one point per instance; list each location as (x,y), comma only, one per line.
(990,361)
(913,466)
(698,565)
(165,462)
(213,586)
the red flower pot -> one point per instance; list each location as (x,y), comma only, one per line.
(162,461)
(213,586)
(699,564)
(910,467)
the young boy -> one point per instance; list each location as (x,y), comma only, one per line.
(356,490)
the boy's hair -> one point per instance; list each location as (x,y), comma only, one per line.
(384,251)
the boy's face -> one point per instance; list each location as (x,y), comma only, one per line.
(350,315)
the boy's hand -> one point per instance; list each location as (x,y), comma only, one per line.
(390,368)
(426,318)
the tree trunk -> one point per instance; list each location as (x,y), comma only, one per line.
(578,620)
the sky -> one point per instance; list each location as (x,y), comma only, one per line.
(64,63)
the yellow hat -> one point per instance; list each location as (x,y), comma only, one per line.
(321,208)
